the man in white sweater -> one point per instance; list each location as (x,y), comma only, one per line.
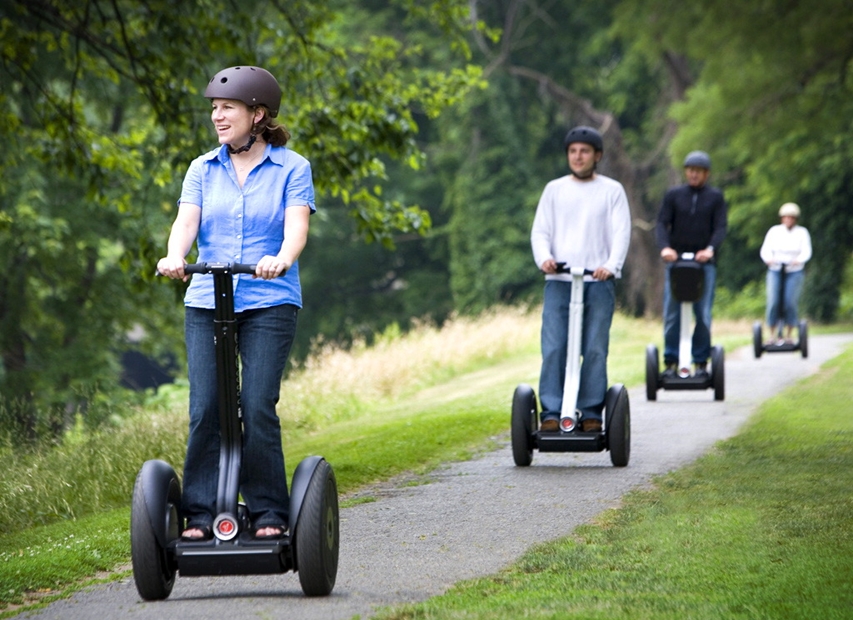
(582,220)
(787,246)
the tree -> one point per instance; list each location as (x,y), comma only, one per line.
(102,111)
(773,103)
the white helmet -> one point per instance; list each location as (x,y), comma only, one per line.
(789,208)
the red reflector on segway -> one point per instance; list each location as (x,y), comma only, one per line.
(566,424)
(225,526)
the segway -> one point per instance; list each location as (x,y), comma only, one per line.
(615,435)
(687,284)
(779,345)
(310,547)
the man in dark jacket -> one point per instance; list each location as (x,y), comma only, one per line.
(692,218)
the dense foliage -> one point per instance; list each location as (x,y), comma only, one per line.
(431,128)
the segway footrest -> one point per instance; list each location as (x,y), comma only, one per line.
(685,383)
(570,442)
(211,559)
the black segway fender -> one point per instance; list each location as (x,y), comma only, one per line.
(299,486)
(155,478)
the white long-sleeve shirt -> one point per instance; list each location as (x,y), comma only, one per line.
(582,223)
(786,245)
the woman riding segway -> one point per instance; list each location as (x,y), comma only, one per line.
(786,249)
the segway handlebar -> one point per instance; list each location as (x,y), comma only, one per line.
(561,268)
(211,268)
(220,268)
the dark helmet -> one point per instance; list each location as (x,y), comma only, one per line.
(251,85)
(698,159)
(587,135)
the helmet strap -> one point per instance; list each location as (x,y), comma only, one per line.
(245,147)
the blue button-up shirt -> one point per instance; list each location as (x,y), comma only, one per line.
(242,225)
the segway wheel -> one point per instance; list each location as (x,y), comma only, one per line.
(804,339)
(317,533)
(652,372)
(153,568)
(523,422)
(617,411)
(718,372)
(757,340)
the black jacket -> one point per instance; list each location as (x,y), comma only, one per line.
(692,219)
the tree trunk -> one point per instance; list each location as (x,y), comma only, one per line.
(17,384)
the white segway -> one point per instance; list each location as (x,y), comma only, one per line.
(615,435)
(687,284)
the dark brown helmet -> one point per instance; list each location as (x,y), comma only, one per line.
(251,85)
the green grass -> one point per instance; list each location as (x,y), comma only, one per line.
(50,562)
(430,405)
(761,527)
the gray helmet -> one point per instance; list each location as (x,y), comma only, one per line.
(251,85)
(587,135)
(698,159)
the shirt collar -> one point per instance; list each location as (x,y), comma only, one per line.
(221,154)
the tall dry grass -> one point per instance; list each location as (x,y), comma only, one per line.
(336,383)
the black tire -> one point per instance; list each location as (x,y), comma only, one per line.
(617,411)
(804,339)
(718,372)
(153,568)
(652,372)
(757,339)
(523,423)
(317,533)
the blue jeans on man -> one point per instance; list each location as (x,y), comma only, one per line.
(701,343)
(264,337)
(599,304)
(787,314)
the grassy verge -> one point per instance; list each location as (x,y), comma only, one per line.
(761,527)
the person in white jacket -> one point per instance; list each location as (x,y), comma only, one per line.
(582,220)
(786,249)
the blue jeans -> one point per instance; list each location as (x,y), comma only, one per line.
(598,305)
(264,339)
(701,345)
(776,316)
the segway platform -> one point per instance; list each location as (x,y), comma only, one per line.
(780,346)
(311,545)
(243,556)
(687,284)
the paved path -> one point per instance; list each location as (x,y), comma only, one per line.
(475,517)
